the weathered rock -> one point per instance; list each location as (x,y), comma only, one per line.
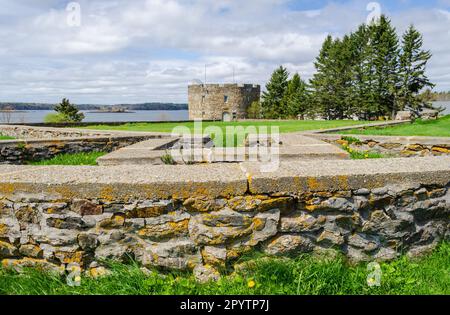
(19,264)
(85,207)
(88,241)
(165,227)
(365,242)
(288,245)
(98,272)
(201,204)
(150,209)
(214,256)
(69,256)
(53,208)
(115,222)
(7,250)
(31,250)
(180,254)
(119,251)
(301,222)
(264,226)
(67,223)
(26,213)
(206,273)
(330,238)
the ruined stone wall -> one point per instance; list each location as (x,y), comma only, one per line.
(36,133)
(207,102)
(393,146)
(207,223)
(20,152)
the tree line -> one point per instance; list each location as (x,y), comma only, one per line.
(367,74)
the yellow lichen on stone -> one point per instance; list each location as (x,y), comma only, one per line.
(167,230)
(439,149)
(258,224)
(70,257)
(107,193)
(343,182)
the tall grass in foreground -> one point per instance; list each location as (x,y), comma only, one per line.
(268,276)
(89,158)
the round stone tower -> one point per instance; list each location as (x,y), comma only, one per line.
(225,102)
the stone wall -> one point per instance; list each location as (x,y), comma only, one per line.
(211,101)
(393,146)
(19,152)
(204,217)
(35,133)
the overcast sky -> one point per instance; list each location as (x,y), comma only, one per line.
(133,51)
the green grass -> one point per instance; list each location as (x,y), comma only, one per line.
(2,137)
(304,275)
(72,159)
(431,128)
(359,155)
(285,126)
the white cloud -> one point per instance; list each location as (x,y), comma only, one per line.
(149,50)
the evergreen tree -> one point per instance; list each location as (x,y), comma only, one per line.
(321,83)
(413,61)
(296,98)
(69,111)
(272,100)
(254,110)
(361,100)
(385,51)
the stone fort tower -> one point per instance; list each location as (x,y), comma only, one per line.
(221,101)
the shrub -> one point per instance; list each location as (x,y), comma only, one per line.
(168,159)
(53,118)
(69,111)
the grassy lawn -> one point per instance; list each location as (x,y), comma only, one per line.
(304,275)
(2,137)
(284,125)
(431,128)
(236,137)
(72,159)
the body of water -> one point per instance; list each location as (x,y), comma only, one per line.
(37,116)
(446,105)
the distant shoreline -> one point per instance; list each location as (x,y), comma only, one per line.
(110,112)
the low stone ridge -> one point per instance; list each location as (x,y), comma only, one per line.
(393,145)
(304,176)
(39,133)
(291,147)
(204,217)
(20,152)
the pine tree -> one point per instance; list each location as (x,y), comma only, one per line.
(296,98)
(333,81)
(385,51)
(413,61)
(272,100)
(321,83)
(361,97)
(69,111)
